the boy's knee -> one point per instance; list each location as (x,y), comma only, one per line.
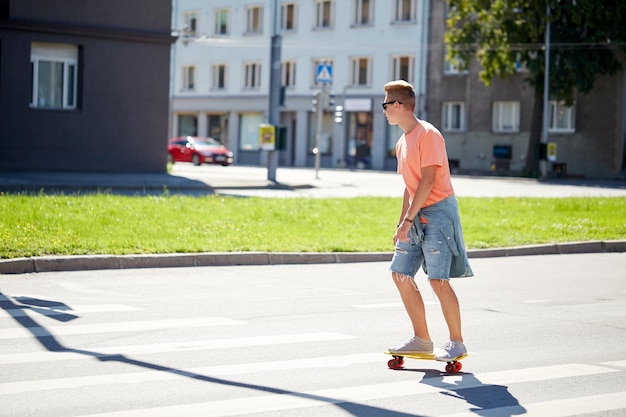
(400,278)
(439,285)
(404,281)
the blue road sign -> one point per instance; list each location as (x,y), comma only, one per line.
(324,73)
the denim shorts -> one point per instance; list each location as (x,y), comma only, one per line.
(434,250)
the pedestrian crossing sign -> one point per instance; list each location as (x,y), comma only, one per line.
(324,73)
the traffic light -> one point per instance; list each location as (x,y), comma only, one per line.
(316,97)
(338,114)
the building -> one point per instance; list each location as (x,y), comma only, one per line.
(84,85)
(221,78)
(488,128)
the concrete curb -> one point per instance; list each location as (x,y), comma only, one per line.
(96,262)
(552,249)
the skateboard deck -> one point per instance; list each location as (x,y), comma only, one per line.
(397,362)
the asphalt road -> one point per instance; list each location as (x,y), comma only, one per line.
(545,335)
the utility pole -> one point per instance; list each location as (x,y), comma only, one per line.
(324,78)
(543,162)
(274,93)
(322,102)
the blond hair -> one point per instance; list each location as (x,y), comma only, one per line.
(401,91)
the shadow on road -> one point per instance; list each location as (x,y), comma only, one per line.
(17,306)
(482,398)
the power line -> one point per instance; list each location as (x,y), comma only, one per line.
(246,42)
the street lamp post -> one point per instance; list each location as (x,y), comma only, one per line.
(322,99)
(274,93)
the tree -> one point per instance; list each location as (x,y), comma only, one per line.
(587,39)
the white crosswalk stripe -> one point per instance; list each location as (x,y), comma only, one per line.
(59,310)
(97,328)
(600,403)
(251,405)
(130,366)
(178,347)
(169,374)
(619,364)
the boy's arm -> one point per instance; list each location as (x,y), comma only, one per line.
(424,188)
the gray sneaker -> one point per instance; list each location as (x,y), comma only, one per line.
(451,351)
(414,345)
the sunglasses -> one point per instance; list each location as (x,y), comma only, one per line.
(390,102)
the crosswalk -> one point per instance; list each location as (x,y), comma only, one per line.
(306,382)
(252,405)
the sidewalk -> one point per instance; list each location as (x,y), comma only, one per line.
(291,182)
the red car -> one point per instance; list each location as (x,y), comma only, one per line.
(198,150)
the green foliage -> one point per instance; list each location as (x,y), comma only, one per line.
(107,224)
(587,39)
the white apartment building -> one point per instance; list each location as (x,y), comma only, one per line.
(221,74)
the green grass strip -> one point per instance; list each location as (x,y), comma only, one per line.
(109,224)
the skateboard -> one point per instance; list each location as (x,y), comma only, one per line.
(453,366)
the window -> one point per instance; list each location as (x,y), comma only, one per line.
(363,14)
(505,116)
(1,11)
(187,125)
(254,20)
(252,75)
(219,77)
(452,67)
(360,137)
(519,65)
(288,18)
(217,127)
(221,22)
(328,122)
(249,131)
(361,71)
(54,75)
(453,115)
(189,77)
(449,10)
(403,68)
(405,11)
(288,74)
(562,118)
(191,23)
(393,134)
(324,16)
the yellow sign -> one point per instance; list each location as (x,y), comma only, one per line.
(267,137)
(551,151)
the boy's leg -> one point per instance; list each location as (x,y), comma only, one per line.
(449,307)
(438,258)
(404,265)
(413,304)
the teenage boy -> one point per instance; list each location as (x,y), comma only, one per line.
(429,230)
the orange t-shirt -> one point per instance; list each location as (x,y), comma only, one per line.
(422,147)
